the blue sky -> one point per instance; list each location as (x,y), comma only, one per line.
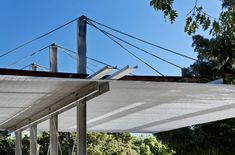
(24,20)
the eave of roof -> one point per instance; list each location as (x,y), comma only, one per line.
(166,79)
(4,71)
(17,72)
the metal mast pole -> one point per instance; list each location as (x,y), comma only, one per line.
(18,143)
(33,139)
(33,128)
(82,66)
(34,67)
(53,135)
(54,118)
(81,45)
(53,58)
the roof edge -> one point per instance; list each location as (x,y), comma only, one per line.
(4,71)
(166,79)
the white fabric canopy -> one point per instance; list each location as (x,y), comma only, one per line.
(130,106)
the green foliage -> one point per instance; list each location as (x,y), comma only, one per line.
(97,144)
(25,145)
(43,141)
(227,3)
(125,144)
(150,146)
(219,50)
(202,69)
(66,140)
(216,138)
(109,144)
(166,7)
(7,145)
(198,18)
(216,56)
(230,78)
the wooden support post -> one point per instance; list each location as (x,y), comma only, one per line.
(33,139)
(82,67)
(53,135)
(18,143)
(53,58)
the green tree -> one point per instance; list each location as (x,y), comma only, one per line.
(7,144)
(101,144)
(197,18)
(216,138)
(43,141)
(109,144)
(125,144)
(216,56)
(151,146)
(25,145)
(66,141)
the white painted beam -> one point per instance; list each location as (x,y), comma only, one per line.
(121,73)
(60,106)
(102,72)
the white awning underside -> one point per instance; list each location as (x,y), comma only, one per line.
(130,106)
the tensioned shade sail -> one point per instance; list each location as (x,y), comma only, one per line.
(126,106)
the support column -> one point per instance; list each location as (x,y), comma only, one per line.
(81,45)
(81,128)
(34,67)
(18,143)
(33,139)
(54,118)
(53,58)
(53,135)
(82,67)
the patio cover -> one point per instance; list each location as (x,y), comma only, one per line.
(113,106)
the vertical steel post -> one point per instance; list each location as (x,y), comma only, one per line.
(33,67)
(81,128)
(53,135)
(54,118)
(82,67)
(33,139)
(81,45)
(53,58)
(18,143)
